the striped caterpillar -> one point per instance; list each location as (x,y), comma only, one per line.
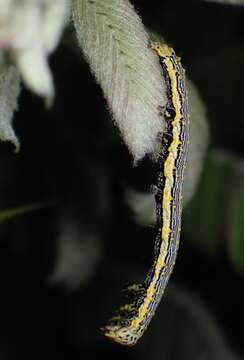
(132,320)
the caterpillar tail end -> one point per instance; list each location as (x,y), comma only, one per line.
(120,334)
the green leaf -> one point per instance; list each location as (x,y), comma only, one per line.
(115,45)
(9,93)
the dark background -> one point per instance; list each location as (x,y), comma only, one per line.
(73,156)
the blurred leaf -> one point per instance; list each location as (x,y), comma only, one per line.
(142,205)
(228,2)
(30,31)
(55,17)
(216,212)
(183,329)
(21,210)
(205,215)
(235,224)
(199,139)
(78,254)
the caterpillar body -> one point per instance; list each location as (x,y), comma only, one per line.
(133,319)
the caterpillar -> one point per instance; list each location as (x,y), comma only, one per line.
(133,319)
